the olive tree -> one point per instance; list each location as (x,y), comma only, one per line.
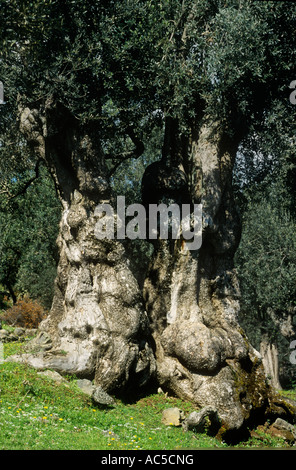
(88,84)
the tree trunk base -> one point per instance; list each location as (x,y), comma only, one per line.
(97,327)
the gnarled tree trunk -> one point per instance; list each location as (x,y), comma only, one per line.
(97,327)
(192,297)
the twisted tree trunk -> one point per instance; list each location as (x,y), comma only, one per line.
(97,327)
(192,296)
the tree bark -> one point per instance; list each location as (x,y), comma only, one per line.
(192,297)
(97,327)
(269,353)
(11,293)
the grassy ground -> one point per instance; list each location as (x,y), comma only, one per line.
(36,413)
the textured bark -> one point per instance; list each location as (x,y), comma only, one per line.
(192,297)
(97,327)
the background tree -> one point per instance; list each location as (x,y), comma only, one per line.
(264,187)
(266,263)
(29,228)
(29,219)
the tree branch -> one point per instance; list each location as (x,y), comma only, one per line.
(30,181)
(135,153)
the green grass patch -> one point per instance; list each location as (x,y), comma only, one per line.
(289,393)
(36,413)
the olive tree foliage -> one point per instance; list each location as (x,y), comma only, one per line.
(266,265)
(125,66)
(29,217)
(128,68)
(267,261)
(28,231)
(264,183)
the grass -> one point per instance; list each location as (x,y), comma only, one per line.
(38,414)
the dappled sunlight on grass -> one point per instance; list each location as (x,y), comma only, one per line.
(36,413)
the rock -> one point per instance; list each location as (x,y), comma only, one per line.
(85,386)
(282,424)
(100,397)
(3,334)
(205,420)
(31,331)
(172,417)
(283,429)
(279,429)
(19,331)
(53,375)
(41,343)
